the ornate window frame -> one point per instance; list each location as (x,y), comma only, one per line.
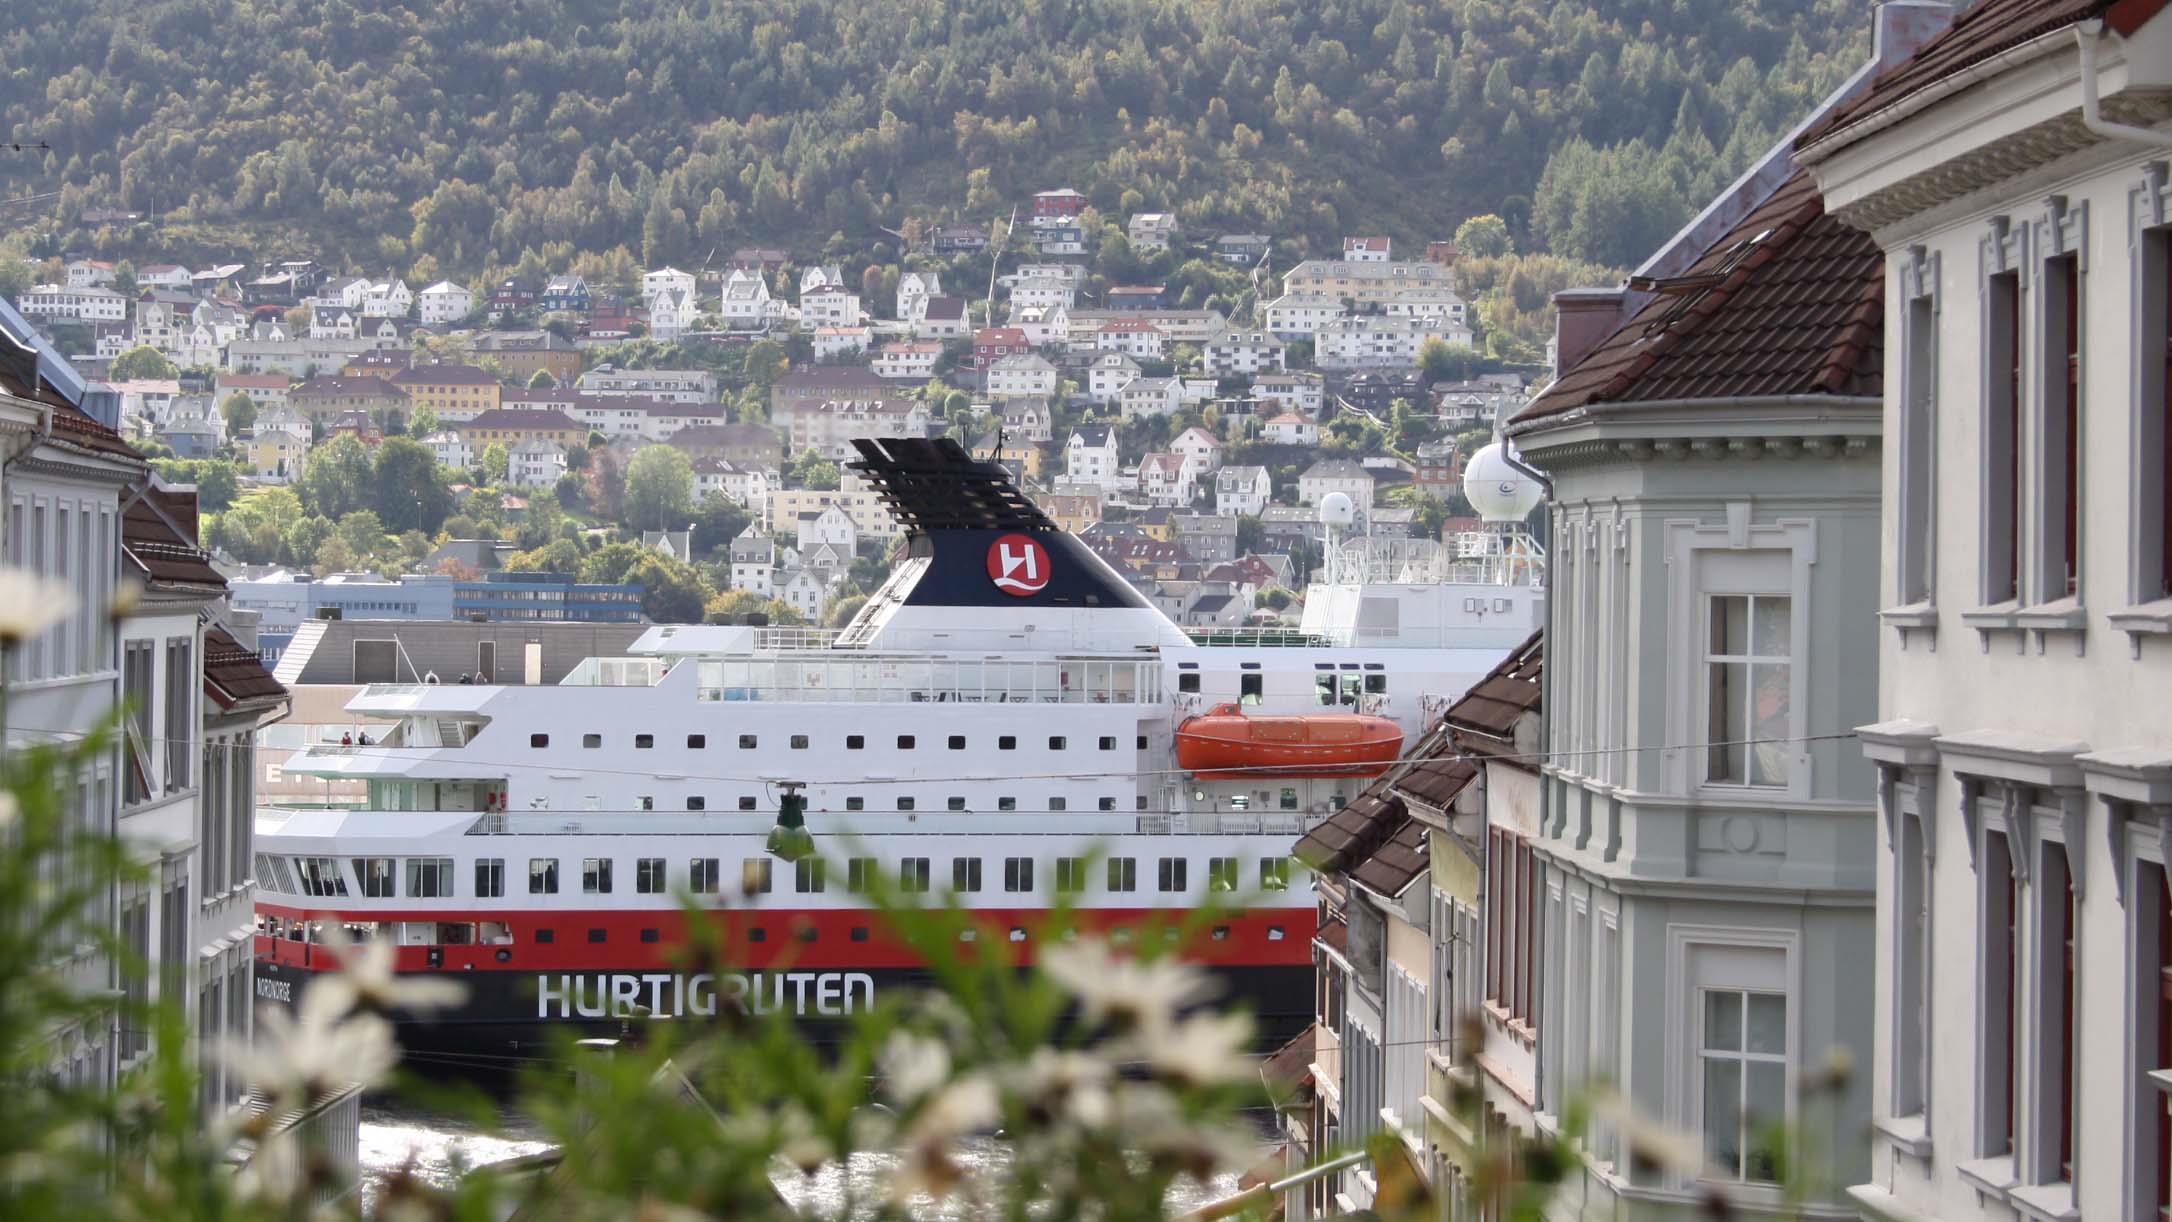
(2149,222)
(1920,276)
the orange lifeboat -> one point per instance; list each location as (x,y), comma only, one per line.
(1223,742)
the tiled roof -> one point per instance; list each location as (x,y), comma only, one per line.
(1981,31)
(1396,863)
(1437,778)
(234,674)
(443,375)
(521,418)
(1492,707)
(1790,301)
(1352,833)
(161,552)
(1290,1066)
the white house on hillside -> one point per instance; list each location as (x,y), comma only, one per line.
(1243,490)
(444,302)
(1090,456)
(1108,375)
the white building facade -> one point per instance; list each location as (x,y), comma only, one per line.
(2024,731)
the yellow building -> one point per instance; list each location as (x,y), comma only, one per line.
(276,454)
(509,426)
(869,515)
(1072,511)
(451,392)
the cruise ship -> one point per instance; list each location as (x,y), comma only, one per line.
(1007,719)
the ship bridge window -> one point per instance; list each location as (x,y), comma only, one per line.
(912,874)
(542,876)
(591,741)
(1221,874)
(965,874)
(1018,874)
(539,741)
(429,877)
(1274,873)
(810,875)
(1171,874)
(595,876)
(1123,874)
(377,877)
(754,875)
(489,877)
(701,875)
(649,875)
(1250,687)
(320,876)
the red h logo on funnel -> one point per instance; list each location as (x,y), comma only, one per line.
(1018,565)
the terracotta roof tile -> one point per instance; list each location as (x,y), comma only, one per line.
(1352,833)
(1290,1066)
(162,553)
(1335,935)
(1437,780)
(1396,863)
(1984,30)
(1495,703)
(1790,301)
(233,673)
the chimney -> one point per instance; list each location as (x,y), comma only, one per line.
(1583,318)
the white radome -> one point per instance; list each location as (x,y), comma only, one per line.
(1336,509)
(1498,489)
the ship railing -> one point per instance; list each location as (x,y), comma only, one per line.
(796,638)
(636,822)
(846,678)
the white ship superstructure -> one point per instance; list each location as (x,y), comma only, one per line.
(1002,720)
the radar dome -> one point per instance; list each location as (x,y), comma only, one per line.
(1497,488)
(1336,509)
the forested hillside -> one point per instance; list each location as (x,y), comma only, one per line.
(456,134)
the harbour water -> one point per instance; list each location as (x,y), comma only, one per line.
(396,1134)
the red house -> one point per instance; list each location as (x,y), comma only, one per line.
(992,344)
(1058,207)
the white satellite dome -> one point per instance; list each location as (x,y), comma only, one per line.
(1497,488)
(1336,509)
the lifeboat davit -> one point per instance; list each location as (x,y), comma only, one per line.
(1223,742)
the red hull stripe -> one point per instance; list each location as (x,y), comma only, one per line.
(807,940)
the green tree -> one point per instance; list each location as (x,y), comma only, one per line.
(339,478)
(811,470)
(1484,237)
(422,422)
(363,533)
(659,489)
(490,465)
(240,413)
(410,490)
(1441,361)
(842,611)
(717,521)
(143,361)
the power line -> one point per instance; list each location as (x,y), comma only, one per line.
(394,751)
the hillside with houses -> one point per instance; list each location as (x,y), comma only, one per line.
(688,444)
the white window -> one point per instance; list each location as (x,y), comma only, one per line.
(1917,513)
(429,877)
(1742,1080)
(1748,685)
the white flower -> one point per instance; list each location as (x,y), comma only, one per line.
(30,604)
(1676,1153)
(913,1065)
(366,981)
(799,1143)
(1202,1050)
(297,1057)
(965,1106)
(1066,1085)
(1131,994)
(926,1170)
